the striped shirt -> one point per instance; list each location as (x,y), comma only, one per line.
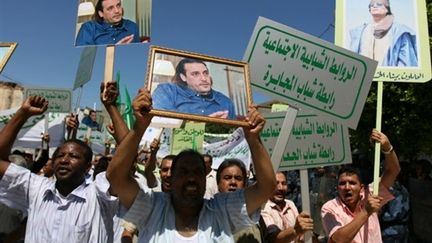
(219,218)
(85,215)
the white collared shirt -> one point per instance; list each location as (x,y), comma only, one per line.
(211,185)
(85,215)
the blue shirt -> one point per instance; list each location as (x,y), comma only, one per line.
(85,215)
(220,217)
(101,33)
(90,123)
(177,98)
(403,48)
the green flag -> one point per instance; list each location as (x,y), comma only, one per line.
(128,116)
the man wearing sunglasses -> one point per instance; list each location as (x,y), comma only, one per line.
(383,39)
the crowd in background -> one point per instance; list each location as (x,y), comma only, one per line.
(280,217)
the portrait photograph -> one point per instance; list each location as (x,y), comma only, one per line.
(112,22)
(383,30)
(198,87)
(391,32)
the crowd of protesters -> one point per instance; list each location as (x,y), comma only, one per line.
(134,196)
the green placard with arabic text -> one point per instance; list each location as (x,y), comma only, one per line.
(189,137)
(307,72)
(314,141)
(59,100)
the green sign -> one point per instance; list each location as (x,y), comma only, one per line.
(60,100)
(189,137)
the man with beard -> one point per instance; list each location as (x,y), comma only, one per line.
(352,216)
(282,220)
(183,214)
(192,92)
(108,26)
(70,209)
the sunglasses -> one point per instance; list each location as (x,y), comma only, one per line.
(377,5)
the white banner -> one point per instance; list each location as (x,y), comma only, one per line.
(235,146)
(31,133)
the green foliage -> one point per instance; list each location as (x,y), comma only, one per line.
(218,128)
(406,119)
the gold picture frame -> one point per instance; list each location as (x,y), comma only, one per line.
(6,50)
(219,93)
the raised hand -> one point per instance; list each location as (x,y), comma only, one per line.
(108,92)
(72,121)
(141,106)
(154,145)
(379,137)
(256,123)
(34,105)
(45,137)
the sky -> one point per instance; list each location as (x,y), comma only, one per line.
(47,58)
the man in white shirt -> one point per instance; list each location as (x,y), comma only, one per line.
(70,209)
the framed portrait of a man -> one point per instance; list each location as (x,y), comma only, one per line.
(198,87)
(113,22)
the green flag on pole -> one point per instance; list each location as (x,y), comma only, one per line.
(128,114)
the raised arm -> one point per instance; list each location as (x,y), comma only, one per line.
(265,184)
(391,167)
(33,105)
(72,125)
(150,164)
(108,95)
(42,156)
(118,173)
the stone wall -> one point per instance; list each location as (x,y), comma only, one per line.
(11,95)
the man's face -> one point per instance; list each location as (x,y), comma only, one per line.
(112,11)
(93,116)
(70,164)
(378,7)
(188,182)
(197,77)
(231,179)
(165,174)
(281,189)
(349,188)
